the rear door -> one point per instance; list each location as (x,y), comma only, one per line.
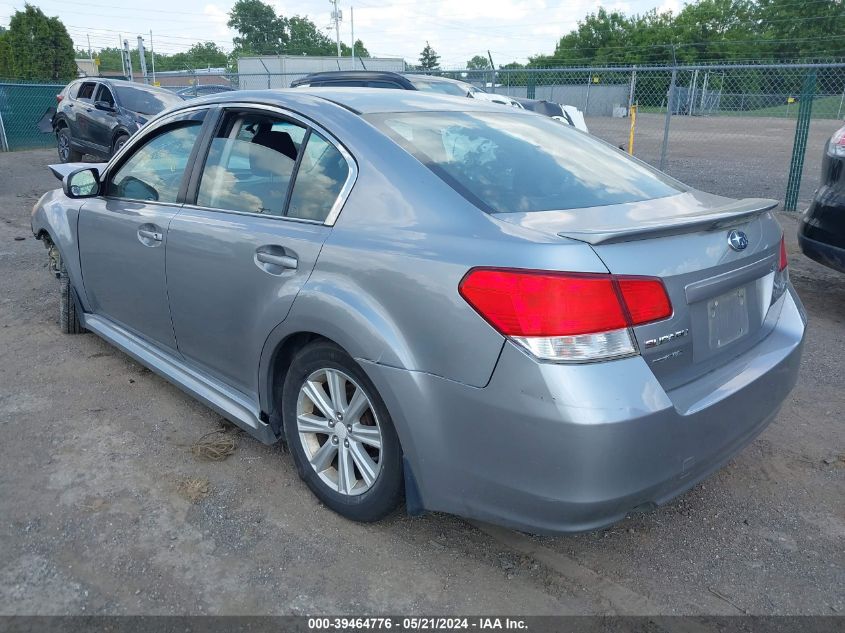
(123,234)
(101,122)
(261,208)
(79,120)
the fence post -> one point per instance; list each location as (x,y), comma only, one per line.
(799,147)
(532,82)
(670,104)
(4,142)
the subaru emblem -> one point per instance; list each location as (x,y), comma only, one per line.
(738,240)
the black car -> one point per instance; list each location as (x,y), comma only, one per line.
(203,90)
(385,79)
(97,116)
(821,234)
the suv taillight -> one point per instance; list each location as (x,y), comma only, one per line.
(566,316)
(59,98)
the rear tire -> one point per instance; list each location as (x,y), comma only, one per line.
(63,144)
(364,441)
(69,321)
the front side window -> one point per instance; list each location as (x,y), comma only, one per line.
(104,94)
(511,162)
(154,170)
(250,164)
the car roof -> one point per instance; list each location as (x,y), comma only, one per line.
(132,84)
(362,75)
(357,100)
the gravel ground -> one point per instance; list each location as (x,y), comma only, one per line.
(104,509)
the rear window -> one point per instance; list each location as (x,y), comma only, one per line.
(441,87)
(145,101)
(522,162)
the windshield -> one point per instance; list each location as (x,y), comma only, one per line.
(145,101)
(442,87)
(512,162)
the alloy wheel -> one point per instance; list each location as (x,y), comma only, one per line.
(64,147)
(339,431)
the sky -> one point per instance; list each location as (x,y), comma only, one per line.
(512,30)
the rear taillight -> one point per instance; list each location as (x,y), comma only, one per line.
(837,143)
(782,263)
(59,98)
(566,316)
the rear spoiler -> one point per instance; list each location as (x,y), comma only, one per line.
(711,219)
(61,170)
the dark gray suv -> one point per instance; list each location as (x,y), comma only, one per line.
(97,116)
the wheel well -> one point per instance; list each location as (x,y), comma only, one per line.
(279,366)
(117,135)
(61,124)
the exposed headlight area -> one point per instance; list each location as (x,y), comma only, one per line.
(566,317)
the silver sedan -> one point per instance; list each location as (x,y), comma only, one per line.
(470,306)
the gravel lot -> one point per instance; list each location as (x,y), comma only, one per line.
(104,509)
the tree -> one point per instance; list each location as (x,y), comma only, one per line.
(36,47)
(429,59)
(478,62)
(260,30)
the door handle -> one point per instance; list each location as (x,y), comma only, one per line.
(284,261)
(150,235)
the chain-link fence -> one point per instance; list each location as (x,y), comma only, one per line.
(734,130)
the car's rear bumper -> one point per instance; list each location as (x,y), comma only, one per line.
(825,254)
(555,448)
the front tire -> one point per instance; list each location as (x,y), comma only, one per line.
(69,321)
(340,434)
(66,152)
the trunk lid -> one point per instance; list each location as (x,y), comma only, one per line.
(720,295)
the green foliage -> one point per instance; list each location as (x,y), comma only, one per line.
(200,55)
(478,62)
(262,32)
(706,31)
(36,47)
(429,59)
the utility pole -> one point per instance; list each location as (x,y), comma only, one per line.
(352,24)
(127,61)
(336,17)
(153,56)
(142,60)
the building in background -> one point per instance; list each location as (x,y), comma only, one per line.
(86,67)
(278,71)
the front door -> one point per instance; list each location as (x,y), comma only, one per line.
(123,234)
(238,257)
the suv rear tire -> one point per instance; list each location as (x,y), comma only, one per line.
(66,152)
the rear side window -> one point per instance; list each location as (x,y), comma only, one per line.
(322,173)
(383,84)
(72,89)
(86,90)
(519,162)
(250,164)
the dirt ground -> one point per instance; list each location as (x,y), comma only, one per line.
(105,510)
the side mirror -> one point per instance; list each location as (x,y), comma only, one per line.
(105,106)
(82,183)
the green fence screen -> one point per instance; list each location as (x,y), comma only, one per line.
(21,107)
